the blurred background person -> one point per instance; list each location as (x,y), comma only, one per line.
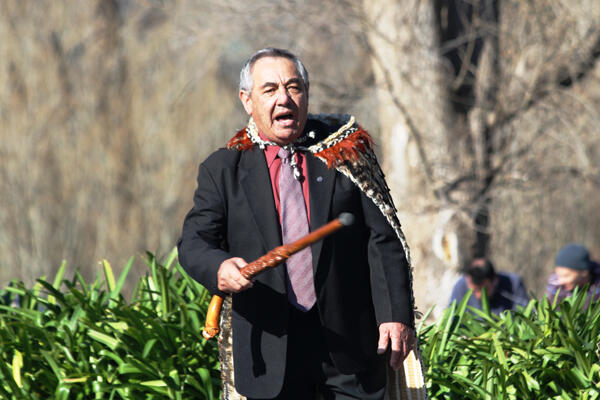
(505,290)
(573,268)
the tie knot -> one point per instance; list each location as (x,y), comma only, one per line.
(283,153)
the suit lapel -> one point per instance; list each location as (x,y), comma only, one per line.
(320,185)
(256,185)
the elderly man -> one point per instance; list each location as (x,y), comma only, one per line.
(326,323)
(573,268)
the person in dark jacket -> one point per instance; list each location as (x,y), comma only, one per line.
(334,331)
(505,290)
(573,268)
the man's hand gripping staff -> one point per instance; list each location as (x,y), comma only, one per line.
(272,259)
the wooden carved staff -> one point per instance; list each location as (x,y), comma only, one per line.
(272,259)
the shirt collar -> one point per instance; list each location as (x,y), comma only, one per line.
(271,154)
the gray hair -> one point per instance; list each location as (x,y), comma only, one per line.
(246,72)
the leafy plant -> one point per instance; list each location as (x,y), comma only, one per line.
(542,351)
(71,340)
(75,340)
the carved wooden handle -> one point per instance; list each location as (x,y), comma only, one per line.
(211,326)
(272,259)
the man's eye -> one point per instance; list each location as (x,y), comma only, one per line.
(294,89)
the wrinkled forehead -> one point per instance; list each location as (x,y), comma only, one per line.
(273,67)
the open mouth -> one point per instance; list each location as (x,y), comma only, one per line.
(285,117)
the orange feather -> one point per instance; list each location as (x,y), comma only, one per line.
(348,149)
(240,141)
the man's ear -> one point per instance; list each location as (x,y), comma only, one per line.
(246,101)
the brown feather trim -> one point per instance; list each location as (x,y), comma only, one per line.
(240,141)
(347,150)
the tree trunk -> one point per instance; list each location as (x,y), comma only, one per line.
(416,127)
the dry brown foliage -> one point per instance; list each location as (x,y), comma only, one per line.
(494,105)
(108,106)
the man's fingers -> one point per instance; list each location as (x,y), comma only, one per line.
(237,261)
(236,276)
(383,341)
(396,355)
(402,339)
(237,283)
(229,277)
(243,283)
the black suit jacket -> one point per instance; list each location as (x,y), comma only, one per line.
(361,272)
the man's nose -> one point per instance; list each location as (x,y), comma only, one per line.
(283,96)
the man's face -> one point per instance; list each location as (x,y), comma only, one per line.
(569,278)
(278,101)
(488,284)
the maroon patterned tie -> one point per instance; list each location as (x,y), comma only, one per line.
(294,225)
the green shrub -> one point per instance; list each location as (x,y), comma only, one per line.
(542,351)
(72,340)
